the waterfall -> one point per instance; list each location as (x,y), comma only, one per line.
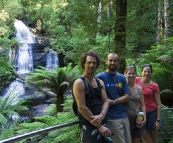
(23,62)
(14,90)
(23,58)
(51,60)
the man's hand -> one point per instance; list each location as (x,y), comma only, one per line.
(104,131)
(97,119)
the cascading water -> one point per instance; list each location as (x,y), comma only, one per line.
(51,60)
(23,59)
(23,62)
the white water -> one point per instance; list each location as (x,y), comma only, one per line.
(51,60)
(23,59)
(14,90)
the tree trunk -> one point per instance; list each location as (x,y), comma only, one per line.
(60,96)
(108,16)
(59,101)
(120,32)
(166,17)
(99,18)
(159,24)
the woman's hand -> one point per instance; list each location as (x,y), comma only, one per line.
(157,125)
(140,124)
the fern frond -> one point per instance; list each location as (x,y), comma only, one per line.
(19,108)
(10,113)
(3,119)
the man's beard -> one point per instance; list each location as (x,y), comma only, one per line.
(112,68)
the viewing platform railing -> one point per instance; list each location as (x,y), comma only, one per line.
(165,133)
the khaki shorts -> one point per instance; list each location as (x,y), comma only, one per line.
(120,129)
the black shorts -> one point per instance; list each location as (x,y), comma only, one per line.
(135,132)
(90,134)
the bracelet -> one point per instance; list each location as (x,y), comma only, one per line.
(98,127)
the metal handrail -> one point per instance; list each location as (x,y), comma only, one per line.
(24,136)
(27,135)
(167,109)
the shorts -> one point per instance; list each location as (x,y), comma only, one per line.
(90,134)
(120,129)
(135,131)
(151,118)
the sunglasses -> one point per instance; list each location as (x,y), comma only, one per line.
(131,67)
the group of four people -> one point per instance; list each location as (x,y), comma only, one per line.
(108,114)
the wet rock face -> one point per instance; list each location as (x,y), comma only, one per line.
(39,55)
(40,110)
(39,52)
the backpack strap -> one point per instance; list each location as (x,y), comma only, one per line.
(86,85)
(87,94)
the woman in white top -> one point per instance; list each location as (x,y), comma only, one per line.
(135,104)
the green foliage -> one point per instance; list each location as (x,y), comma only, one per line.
(162,75)
(57,81)
(65,134)
(141,26)
(48,120)
(60,135)
(6,73)
(51,110)
(28,127)
(160,58)
(166,133)
(10,106)
(53,80)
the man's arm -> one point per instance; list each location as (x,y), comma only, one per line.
(122,99)
(79,94)
(105,100)
(98,118)
(125,97)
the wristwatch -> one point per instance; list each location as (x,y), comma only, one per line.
(115,102)
(158,120)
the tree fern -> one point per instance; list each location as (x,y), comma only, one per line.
(57,81)
(10,105)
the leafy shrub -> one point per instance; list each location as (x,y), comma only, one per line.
(60,135)
(6,73)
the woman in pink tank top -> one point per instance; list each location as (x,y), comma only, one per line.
(152,104)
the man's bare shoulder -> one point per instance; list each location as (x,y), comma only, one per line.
(79,83)
(78,87)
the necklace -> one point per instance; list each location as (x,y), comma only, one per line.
(91,82)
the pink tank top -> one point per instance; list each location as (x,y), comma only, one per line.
(149,91)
